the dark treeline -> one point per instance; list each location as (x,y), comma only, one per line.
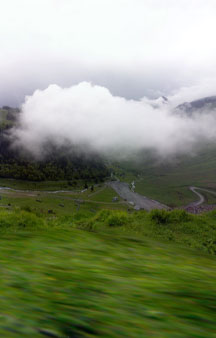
(59,164)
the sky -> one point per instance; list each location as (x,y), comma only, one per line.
(134,48)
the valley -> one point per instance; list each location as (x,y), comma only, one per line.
(92,237)
(86,241)
(107,169)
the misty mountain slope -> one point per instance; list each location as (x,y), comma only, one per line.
(8,117)
(60,163)
(203,105)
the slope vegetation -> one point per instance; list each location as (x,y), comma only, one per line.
(116,279)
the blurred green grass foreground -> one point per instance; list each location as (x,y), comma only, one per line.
(115,274)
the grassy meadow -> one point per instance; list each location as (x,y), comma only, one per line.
(61,203)
(77,264)
(114,274)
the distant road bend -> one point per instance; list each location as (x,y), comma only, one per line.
(201,197)
(135,199)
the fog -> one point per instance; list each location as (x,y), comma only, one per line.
(110,61)
(90,117)
(132,47)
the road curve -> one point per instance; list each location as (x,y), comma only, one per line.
(137,200)
(201,197)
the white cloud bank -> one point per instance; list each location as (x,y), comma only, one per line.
(90,116)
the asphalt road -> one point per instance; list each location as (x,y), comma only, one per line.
(135,199)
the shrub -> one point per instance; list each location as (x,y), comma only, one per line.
(27,208)
(165,217)
(160,216)
(117,218)
(5,221)
(20,219)
(210,246)
(102,215)
(26,219)
(180,216)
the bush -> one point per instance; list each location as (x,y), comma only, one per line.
(26,219)
(180,216)
(165,217)
(104,218)
(103,215)
(117,219)
(160,216)
(210,245)
(20,219)
(27,208)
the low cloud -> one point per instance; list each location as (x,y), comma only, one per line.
(90,117)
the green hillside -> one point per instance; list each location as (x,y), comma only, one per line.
(115,281)
(168,181)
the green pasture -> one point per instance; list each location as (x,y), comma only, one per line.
(113,274)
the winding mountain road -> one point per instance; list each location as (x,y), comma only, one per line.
(201,197)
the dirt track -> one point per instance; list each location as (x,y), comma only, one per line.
(139,201)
